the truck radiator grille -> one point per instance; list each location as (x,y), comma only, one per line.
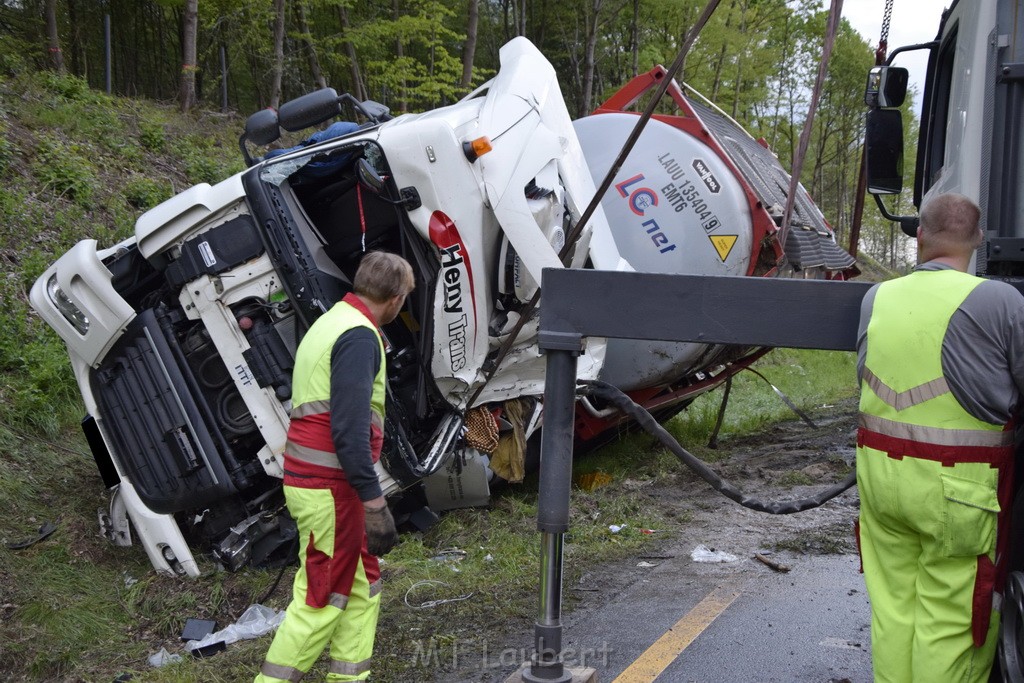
(159,428)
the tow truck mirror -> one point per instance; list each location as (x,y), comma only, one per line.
(884,142)
(309,110)
(887,86)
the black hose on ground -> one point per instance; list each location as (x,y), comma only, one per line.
(646,421)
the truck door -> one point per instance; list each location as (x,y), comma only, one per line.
(954,142)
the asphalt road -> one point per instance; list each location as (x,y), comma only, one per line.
(731,622)
(662,616)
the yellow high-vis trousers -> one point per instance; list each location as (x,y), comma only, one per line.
(336,594)
(927,537)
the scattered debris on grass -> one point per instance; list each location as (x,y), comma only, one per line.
(432,603)
(702,553)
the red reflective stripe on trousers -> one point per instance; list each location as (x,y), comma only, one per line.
(984,587)
(318,575)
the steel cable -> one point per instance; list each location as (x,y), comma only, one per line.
(647,422)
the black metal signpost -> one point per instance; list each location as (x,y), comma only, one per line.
(750,311)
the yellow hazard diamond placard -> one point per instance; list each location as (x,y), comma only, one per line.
(723,244)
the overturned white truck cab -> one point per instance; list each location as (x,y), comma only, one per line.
(182,336)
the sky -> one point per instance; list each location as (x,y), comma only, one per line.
(913,21)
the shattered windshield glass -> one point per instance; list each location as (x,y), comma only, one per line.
(275,174)
(318,163)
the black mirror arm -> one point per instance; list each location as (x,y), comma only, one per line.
(931,45)
(245,150)
(908,224)
(358,106)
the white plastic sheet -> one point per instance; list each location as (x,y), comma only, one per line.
(255,621)
(702,553)
(163,657)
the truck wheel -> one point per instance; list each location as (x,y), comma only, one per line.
(1011,659)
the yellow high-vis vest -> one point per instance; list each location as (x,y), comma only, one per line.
(906,405)
(309,435)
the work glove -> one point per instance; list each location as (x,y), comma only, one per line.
(381,535)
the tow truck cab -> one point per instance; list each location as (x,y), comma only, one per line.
(971,125)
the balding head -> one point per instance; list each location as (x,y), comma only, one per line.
(949,227)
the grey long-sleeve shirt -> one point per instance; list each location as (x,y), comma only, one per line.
(355,360)
(982,352)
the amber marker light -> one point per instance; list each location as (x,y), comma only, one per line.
(474,149)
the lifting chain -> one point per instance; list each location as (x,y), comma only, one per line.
(883,36)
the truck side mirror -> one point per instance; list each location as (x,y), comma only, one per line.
(309,110)
(261,128)
(884,142)
(375,111)
(887,87)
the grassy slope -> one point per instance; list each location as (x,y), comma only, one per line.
(77,164)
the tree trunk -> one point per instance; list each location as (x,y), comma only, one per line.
(403,103)
(187,93)
(53,37)
(540,22)
(738,88)
(716,83)
(78,61)
(278,69)
(132,50)
(588,59)
(151,67)
(469,47)
(307,41)
(783,84)
(634,39)
(358,88)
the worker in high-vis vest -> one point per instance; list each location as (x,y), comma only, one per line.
(941,367)
(330,486)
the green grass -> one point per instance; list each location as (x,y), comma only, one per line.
(78,163)
(795,478)
(810,378)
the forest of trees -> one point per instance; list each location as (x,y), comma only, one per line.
(756,59)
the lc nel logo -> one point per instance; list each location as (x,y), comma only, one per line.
(640,199)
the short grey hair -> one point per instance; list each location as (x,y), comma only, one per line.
(382,275)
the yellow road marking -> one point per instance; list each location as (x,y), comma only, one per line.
(666,649)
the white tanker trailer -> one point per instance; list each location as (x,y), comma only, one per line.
(182,336)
